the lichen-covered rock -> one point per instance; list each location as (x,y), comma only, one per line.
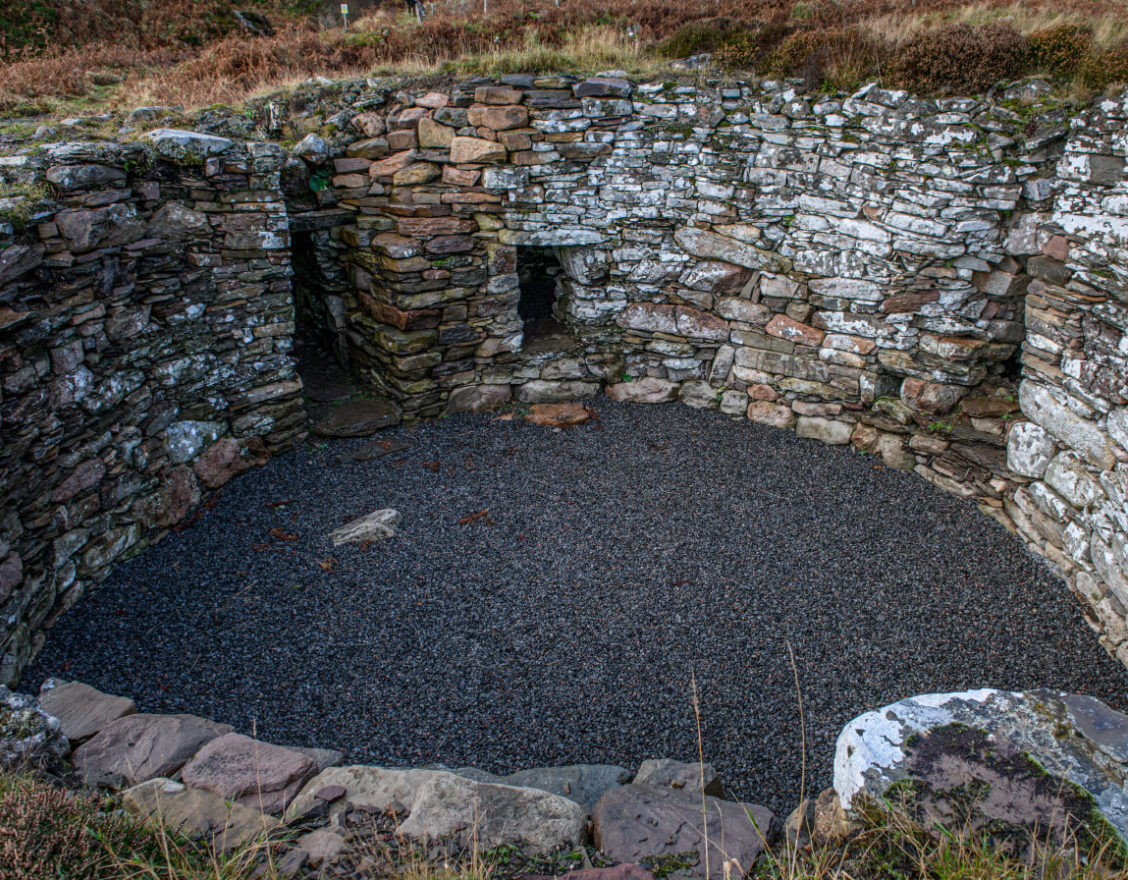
(1017,762)
(27,733)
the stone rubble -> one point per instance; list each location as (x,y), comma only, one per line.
(1046,762)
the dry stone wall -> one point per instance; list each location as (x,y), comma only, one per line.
(145,325)
(867,269)
(1074,508)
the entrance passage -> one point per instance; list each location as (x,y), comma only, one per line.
(538,271)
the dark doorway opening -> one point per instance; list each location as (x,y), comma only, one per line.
(538,271)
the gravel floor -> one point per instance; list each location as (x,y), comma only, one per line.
(617,560)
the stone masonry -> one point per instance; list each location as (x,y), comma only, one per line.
(869,269)
(145,325)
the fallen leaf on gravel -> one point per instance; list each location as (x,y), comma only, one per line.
(281,503)
(477,516)
(433,465)
(327,564)
(283,536)
(365,544)
(211,502)
(258,548)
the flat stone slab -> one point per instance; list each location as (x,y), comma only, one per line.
(252,773)
(357,418)
(668,773)
(1016,762)
(558,415)
(195,811)
(375,526)
(637,822)
(82,710)
(443,806)
(141,747)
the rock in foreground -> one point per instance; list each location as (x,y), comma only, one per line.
(1018,762)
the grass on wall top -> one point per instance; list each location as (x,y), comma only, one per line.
(59,55)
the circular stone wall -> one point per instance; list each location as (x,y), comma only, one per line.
(550,594)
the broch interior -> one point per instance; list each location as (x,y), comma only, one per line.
(864,269)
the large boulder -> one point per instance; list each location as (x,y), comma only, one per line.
(1013,763)
(443,806)
(637,822)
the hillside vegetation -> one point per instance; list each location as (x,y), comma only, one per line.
(69,54)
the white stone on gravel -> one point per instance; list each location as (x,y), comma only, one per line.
(375,526)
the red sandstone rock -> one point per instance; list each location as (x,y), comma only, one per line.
(227,458)
(558,415)
(401,319)
(911,301)
(179,494)
(433,100)
(464,149)
(392,164)
(460,176)
(498,118)
(83,477)
(778,415)
(141,747)
(701,325)
(82,710)
(791,330)
(255,774)
(413,226)
(762,392)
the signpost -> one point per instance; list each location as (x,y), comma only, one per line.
(345,14)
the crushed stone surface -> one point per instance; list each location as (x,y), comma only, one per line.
(550,595)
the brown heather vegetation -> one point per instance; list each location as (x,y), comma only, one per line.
(67,55)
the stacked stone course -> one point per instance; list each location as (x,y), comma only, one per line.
(146,320)
(867,269)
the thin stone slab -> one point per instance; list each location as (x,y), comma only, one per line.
(249,772)
(375,526)
(141,747)
(357,418)
(82,710)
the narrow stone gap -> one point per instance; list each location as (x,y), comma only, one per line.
(538,270)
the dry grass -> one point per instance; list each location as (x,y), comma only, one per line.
(191,53)
(890,844)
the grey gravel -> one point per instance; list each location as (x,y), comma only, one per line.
(616,560)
